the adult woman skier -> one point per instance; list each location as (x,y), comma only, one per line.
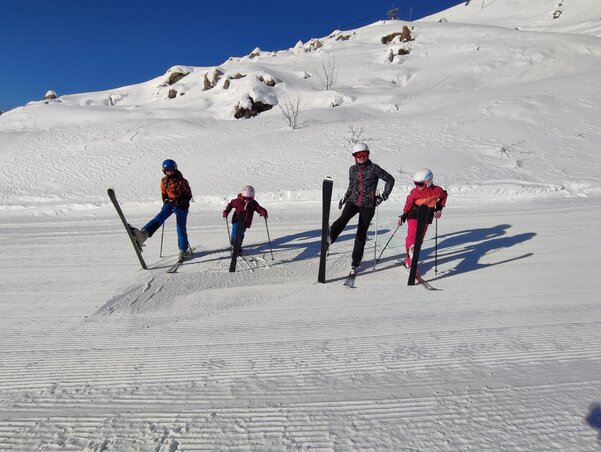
(360,198)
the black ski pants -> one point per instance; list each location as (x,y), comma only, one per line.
(365,216)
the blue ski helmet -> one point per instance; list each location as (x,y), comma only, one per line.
(169,165)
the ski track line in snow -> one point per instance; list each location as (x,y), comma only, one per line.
(204,359)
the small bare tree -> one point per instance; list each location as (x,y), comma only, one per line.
(512,151)
(356,134)
(508,150)
(328,73)
(290,109)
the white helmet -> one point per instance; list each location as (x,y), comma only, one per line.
(360,147)
(423,176)
(248,191)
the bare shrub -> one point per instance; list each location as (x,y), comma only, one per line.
(328,73)
(290,109)
(356,134)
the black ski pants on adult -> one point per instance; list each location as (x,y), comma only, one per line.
(365,216)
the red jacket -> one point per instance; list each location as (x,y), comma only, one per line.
(433,196)
(241,204)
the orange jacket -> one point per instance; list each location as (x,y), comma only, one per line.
(175,188)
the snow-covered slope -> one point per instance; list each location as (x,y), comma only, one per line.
(494,111)
(96,355)
(562,16)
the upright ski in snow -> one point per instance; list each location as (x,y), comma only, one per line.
(422,220)
(127,226)
(237,240)
(327,188)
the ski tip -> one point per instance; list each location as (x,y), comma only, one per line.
(328,178)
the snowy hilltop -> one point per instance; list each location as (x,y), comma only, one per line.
(494,109)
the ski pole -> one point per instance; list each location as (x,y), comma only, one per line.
(385,246)
(229,238)
(162,234)
(376,233)
(436,248)
(269,238)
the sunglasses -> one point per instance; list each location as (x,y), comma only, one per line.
(362,155)
(420,184)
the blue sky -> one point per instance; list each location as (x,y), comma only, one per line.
(74,46)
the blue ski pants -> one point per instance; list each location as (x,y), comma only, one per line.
(181,216)
(234,230)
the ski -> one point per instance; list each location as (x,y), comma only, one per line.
(179,262)
(128,227)
(327,188)
(237,240)
(256,261)
(422,220)
(425,284)
(421,281)
(350,279)
(245,261)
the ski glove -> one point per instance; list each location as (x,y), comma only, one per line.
(437,214)
(225,213)
(380,198)
(402,219)
(341,203)
(264,214)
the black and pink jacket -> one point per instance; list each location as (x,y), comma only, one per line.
(363,182)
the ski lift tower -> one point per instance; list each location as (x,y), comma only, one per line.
(393,13)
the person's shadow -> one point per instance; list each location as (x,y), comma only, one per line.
(470,246)
(594,417)
(308,242)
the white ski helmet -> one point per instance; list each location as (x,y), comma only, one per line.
(360,147)
(248,191)
(423,176)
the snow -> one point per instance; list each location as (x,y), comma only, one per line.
(99,355)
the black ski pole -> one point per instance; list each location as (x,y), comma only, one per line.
(376,232)
(385,246)
(268,238)
(162,234)
(436,249)
(229,238)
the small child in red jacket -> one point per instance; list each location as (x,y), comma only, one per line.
(425,192)
(244,202)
